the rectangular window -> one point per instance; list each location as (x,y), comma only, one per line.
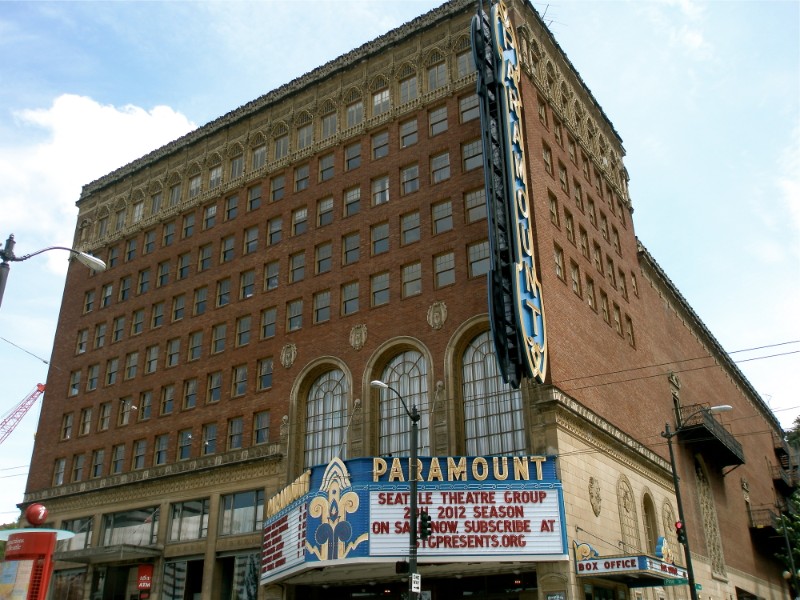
(88,302)
(409,228)
(254,197)
(160,449)
(213,387)
(271,270)
(168,234)
(380,190)
(82,342)
(157,315)
(167,399)
(258,156)
(149,242)
(577,194)
(325,212)
(209,216)
(98,458)
(74,383)
(409,179)
(575,277)
(162,274)
(444,268)
(66,426)
(86,421)
(381,102)
(475,205)
(236,167)
(92,377)
(173,352)
(269,317)
(124,415)
(299,221)
(112,368)
(117,459)
(77,467)
(323,254)
(437,76)
(243,325)
(223,292)
(104,417)
(183,266)
(184,453)
(569,226)
(277,186)
(412,279)
(380,144)
(322,306)
(131,364)
(350,298)
(553,202)
(124,288)
(294,315)
(379,289)
(629,331)
(442,216)
(261,427)
(305,136)
(274,230)
(380,238)
(472,155)
(178,307)
(118,329)
(604,306)
(408,89)
(562,178)
(440,167)
(239,381)
(469,108)
(189,393)
(200,301)
(242,512)
(281,146)
(231,207)
(247,284)
(100,335)
(350,248)
(209,439)
(265,373)
(204,258)
(583,239)
(617,319)
(547,156)
(329,125)
(250,243)
(352,156)
(478,255)
(355,113)
(139,450)
(297,267)
(195,345)
(145,405)
(301,178)
(218,333)
(352,201)
(558,258)
(151,359)
(465,64)
(105,295)
(58,471)
(590,295)
(326,167)
(215,177)
(408,133)
(437,120)
(195,186)
(235,430)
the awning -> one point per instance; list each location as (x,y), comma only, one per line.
(109,554)
(634,571)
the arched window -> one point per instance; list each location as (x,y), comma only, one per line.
(493,421)
(626,504)
(326,419)
(407,373)
(650,523)
(708,510)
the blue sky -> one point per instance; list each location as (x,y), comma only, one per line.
(705,95)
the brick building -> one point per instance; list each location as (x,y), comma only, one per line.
(265,268)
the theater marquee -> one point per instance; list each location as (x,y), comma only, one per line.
(498,508)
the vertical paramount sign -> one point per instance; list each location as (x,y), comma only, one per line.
(515,293)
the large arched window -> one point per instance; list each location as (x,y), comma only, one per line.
(326,419)
(407,373)
(650,523)
(493,421)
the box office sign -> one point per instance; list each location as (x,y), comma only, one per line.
(494,508)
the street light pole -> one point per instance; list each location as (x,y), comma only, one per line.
(413,476)
(669,434)
(7,256)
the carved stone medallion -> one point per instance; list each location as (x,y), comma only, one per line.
(358,336)
(288,354)
(437,314)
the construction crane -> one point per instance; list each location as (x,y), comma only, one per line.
(16,414)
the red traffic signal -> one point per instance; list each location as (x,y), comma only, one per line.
(680,531)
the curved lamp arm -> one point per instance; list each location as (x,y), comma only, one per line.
(86,259)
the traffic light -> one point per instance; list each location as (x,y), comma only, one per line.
(680,531)
(424,525)
(401,567)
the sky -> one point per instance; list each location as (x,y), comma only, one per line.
(705,96)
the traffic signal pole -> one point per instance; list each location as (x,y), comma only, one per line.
(668,434)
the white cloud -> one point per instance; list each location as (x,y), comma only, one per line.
(73,142)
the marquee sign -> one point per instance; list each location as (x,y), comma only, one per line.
(515,293)
(498,508)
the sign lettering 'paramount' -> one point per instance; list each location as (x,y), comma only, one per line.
(515,293)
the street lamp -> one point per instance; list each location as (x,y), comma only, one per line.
(669,434)
(413,441)
(7,256)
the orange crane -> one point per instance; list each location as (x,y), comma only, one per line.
(16,414)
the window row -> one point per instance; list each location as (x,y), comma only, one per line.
(185,444)
(585,288)
(379,144)
(240,512)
